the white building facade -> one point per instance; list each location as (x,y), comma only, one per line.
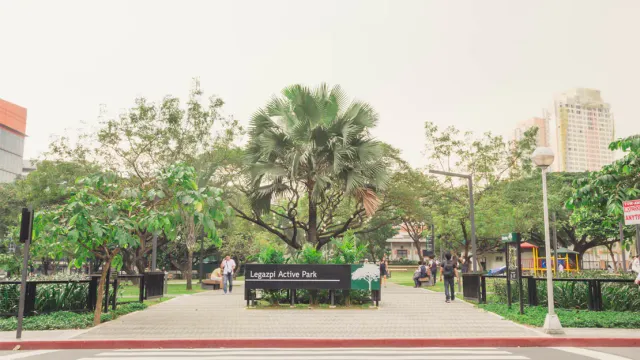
(583,127)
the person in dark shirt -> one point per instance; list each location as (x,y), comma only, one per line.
(449,273)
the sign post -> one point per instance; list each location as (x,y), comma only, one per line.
(513,274)
(26,228)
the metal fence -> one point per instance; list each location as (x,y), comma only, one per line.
(48,296)
(44,297)
(595,294)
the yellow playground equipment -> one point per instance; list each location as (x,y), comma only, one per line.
(536,263)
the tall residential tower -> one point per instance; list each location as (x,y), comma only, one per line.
(543,132)
(13,125)
(584,128)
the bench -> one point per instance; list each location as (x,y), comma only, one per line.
(208,284)
(425,281)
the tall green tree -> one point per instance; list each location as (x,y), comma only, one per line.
(150,137)
(414,196)
(194,210)
(615,183)
(99,220)
(313,146)
(488,159)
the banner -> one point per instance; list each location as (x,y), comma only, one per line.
(631,212)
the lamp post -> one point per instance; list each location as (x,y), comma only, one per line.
(543,158)
(471,214)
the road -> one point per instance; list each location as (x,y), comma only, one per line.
(333,354)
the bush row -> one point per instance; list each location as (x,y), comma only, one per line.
(570,294)
(62,320)
(535,316)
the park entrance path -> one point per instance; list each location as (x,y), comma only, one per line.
(404,312)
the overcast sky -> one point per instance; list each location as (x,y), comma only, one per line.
(478,65)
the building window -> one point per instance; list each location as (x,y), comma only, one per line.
(499,258)
(402,254)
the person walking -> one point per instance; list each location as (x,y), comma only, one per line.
(449,273)
(228,267)
(434,270)
(383,271)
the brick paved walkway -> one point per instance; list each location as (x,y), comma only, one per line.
(404,313)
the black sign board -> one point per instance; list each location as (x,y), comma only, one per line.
(26,225)
(266,276)
(513,275)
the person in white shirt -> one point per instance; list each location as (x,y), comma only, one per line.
(635,264)
(228,267)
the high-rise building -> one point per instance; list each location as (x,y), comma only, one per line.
(542,125)
(13,126)
(583,129)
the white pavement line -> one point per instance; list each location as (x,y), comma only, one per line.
(315,352)
(341,356)
(396,349)
(26,354)
(591,353)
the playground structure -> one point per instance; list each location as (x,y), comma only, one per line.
(534,263)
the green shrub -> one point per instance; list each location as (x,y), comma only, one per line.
(67,320)
(347,250)
(309,255)
(271,255)
(571,294)
(569,318)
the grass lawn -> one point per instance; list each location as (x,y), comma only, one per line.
(173,289)
(406,278)
(569,318)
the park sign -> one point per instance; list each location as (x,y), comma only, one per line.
(511,237)
(312,276)
(631,212)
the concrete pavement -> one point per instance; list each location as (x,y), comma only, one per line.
(404,313)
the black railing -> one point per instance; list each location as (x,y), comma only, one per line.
(43,297)
(47,296)
(592,292)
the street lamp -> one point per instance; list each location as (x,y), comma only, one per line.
(471,214)
(543,158)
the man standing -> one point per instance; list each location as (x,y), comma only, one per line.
(228,267)
(449,273)
(434,269)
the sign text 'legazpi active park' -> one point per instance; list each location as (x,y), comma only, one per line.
(313,277)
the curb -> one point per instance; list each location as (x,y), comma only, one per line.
(318,343)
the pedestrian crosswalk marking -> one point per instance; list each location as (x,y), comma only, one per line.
(306,353)
(315,352)
(394,349)
(310,356)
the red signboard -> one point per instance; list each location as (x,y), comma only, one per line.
(631,212)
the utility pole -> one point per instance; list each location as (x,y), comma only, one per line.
(624,256)
(555,243)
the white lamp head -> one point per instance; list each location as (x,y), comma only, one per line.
(542,157)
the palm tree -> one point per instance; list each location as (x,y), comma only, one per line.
(314,144)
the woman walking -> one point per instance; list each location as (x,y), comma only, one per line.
(383,271)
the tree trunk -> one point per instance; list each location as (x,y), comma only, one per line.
(417,245)
(103,277)
(613,257)
(189,269)
(312,233)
